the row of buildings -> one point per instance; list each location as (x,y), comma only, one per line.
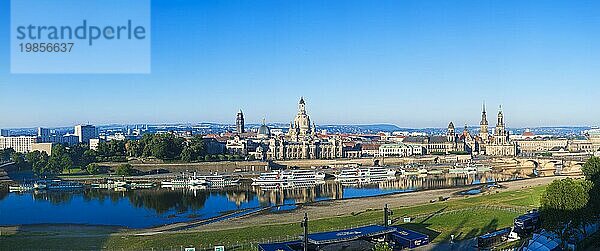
(303,142)
(43,140)
(300,142)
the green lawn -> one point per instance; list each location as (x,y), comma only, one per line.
(464,218)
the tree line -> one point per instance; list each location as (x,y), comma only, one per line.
(166,147)
(567,205)
(161,146)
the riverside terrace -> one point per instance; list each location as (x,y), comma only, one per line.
(360,238)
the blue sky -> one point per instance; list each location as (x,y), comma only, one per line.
(411,63)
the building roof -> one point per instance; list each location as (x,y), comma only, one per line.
(408,234)
(438,139)
(528,133)
(496,233)
(394,145)
(284,246)
(348,234)
(415,139)
(370,146)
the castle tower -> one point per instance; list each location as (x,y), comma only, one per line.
(483,126)
(239,122)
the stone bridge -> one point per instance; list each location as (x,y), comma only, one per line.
(538,166)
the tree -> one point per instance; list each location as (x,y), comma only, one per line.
(59,160)
(38,161)
(194,149)
(187,154)
(81,155)
(564,206)
(125,170)
(166,146)
(591,169)
(19,160)
(93,169)
(88,157)
(5,154)
(134,148)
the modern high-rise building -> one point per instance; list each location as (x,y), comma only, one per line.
(4,132)
(239,122)
(85,133)
(43,134)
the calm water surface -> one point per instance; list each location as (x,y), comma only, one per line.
(153,207)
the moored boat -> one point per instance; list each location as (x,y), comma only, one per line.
(289,178)
(193,180)
(365,175)
(219,180)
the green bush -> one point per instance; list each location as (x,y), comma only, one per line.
(92,169)
(125,170)
(382,246)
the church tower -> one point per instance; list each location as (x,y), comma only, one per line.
(500,130)
(239,122)
(483,126)
(450,133)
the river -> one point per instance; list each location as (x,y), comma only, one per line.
(143,208)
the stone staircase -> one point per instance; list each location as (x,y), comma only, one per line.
(3,176)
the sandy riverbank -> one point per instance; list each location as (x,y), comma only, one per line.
(327,209)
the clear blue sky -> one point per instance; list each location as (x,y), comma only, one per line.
(411,63)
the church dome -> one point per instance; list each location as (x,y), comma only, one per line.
(264,130)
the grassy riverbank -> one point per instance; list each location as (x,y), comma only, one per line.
(463,217)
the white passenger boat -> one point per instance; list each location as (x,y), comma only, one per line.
(418,172)
(219,180)
(190,181)
(366,175)
(289,178)
(110,184)
(463,170)
(45,185)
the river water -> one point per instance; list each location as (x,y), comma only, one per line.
(158,206)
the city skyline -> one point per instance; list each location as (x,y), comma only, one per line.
(234,121)
(408,63)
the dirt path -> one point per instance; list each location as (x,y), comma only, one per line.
(326,209)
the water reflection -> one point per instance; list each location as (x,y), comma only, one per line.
(156,206)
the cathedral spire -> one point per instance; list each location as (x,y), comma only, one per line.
(483,125)
(483,116)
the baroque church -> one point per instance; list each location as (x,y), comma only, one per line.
(496,144)
(499,143)
(300,142)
